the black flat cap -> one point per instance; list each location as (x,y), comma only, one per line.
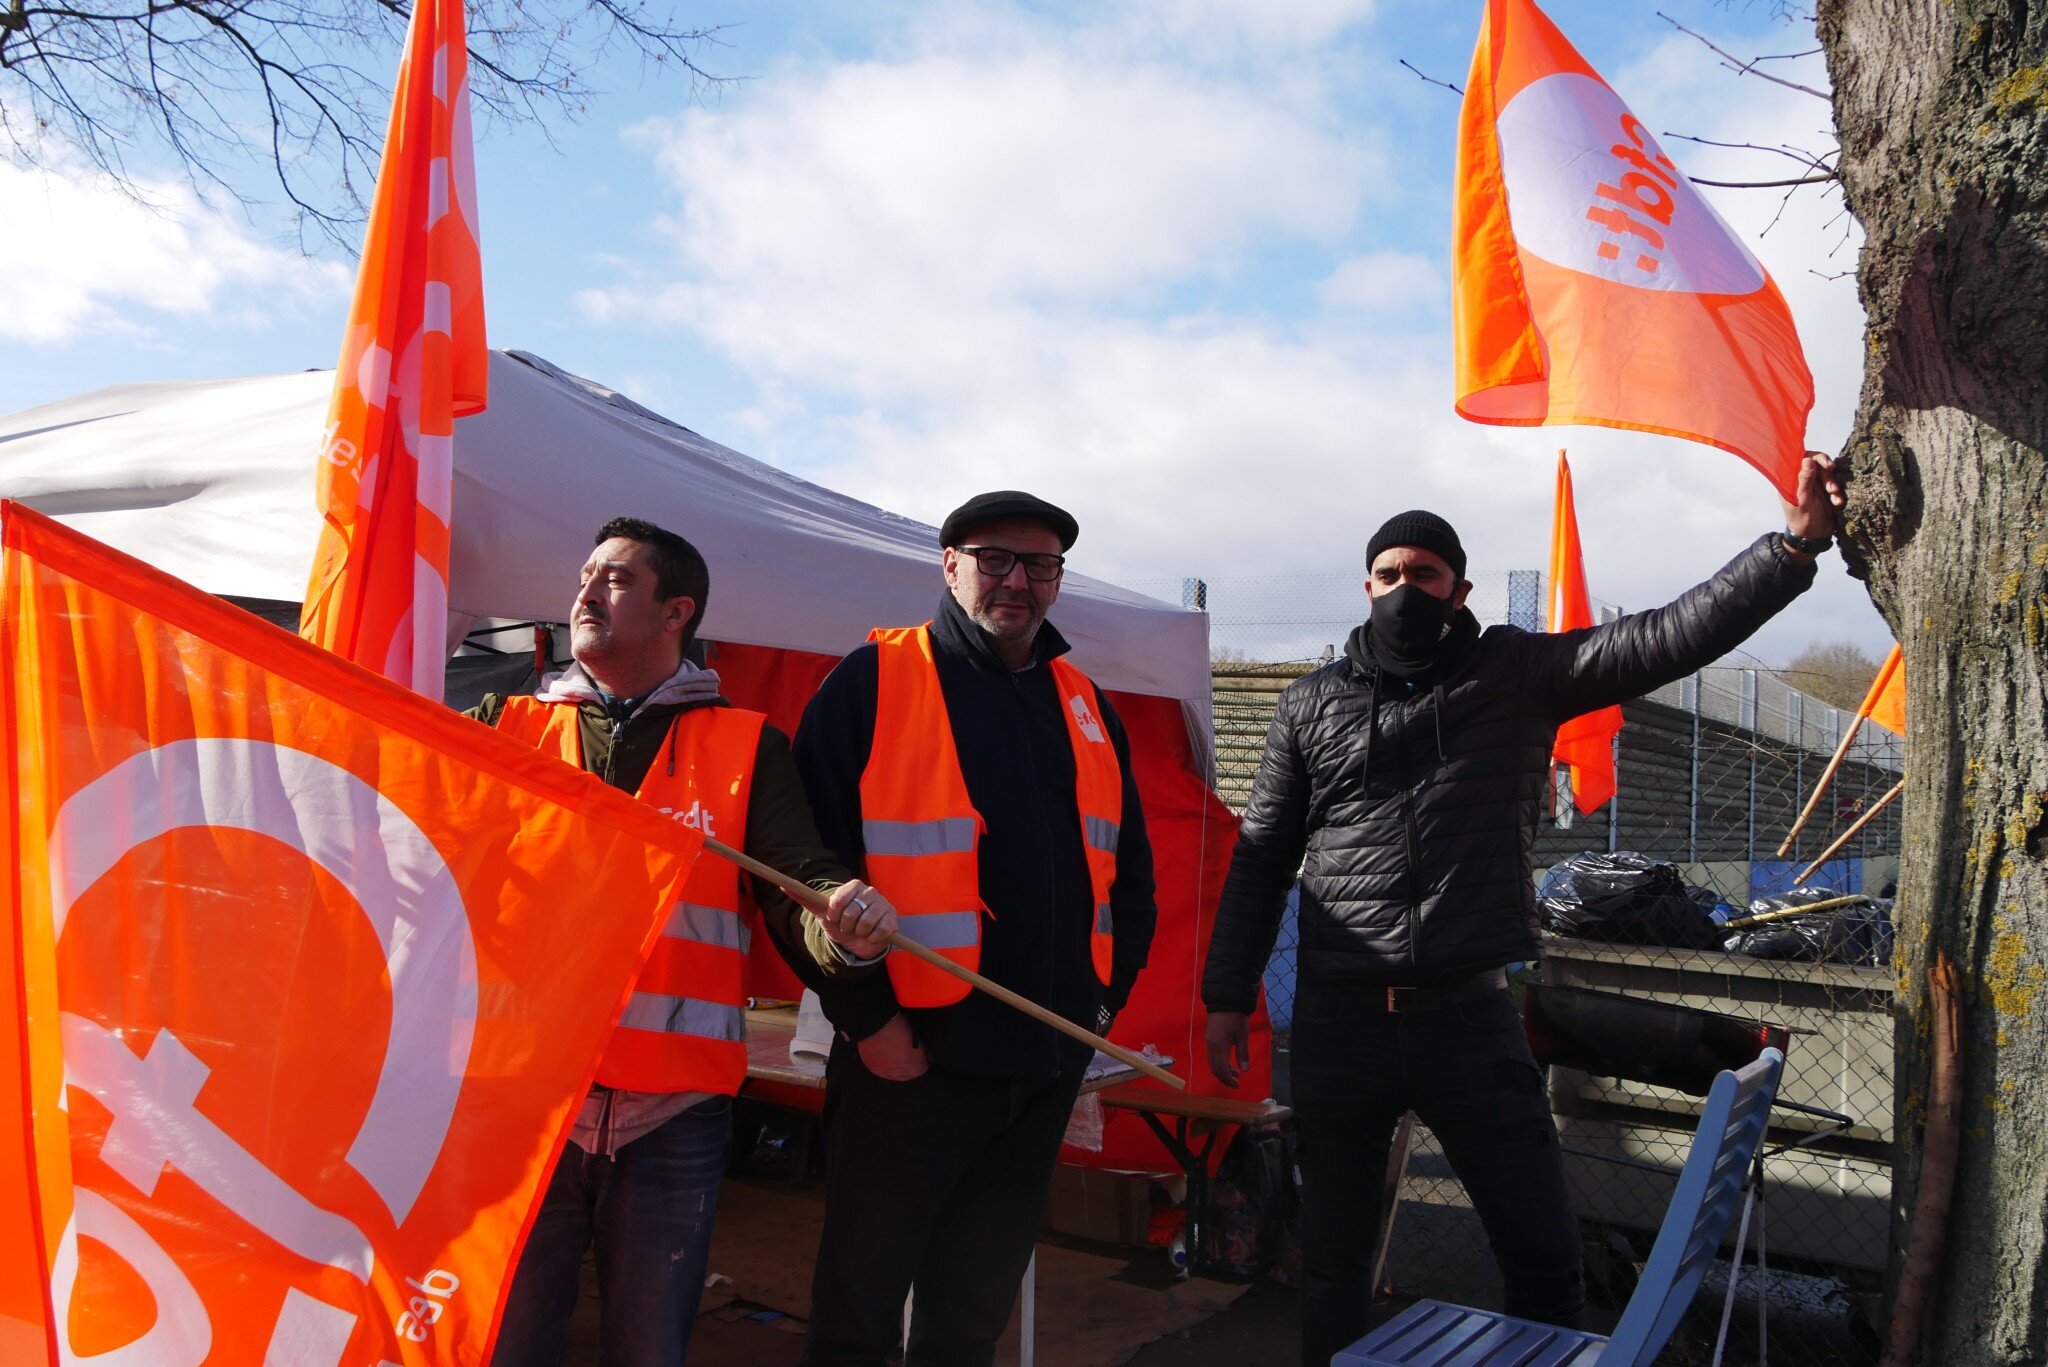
(1003,505)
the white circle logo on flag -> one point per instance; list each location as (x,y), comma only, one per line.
(1590,190)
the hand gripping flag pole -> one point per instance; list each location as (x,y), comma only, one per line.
(814,900)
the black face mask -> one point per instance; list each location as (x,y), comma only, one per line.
(1408,628)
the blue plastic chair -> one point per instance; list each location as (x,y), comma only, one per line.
(1433,1334)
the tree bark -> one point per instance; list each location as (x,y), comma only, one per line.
(1942,107)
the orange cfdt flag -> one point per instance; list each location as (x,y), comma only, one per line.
(1594,284)
(333,966)
(35,1170)
(1586,743)
(1885,703)
(413,360)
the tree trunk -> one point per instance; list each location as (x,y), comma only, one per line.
(1942,107)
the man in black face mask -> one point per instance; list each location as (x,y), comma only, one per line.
(1410,773)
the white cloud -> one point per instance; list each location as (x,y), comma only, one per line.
(1034,174)
(90,259)
(971,228)
(1385,283)
(1017,256)
(1227,26)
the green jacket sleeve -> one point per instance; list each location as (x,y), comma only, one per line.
(782,834)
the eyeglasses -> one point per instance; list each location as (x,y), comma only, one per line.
(996,563)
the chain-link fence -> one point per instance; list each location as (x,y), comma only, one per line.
(1711,773)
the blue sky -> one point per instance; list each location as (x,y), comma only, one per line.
(1180,264)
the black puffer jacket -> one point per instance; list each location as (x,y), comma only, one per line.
(1416,808)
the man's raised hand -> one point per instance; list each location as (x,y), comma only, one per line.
(1812,513)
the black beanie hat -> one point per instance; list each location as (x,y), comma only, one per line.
(1424,530)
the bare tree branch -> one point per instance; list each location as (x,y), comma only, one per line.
(288,92)
(1820,179)
(1748,68)
(1431,79)
(1782,150)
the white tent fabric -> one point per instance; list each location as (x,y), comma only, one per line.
(212,481)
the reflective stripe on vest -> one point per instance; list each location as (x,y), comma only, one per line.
(943,929)
(1100,834)
(683,1028)
(681,1016)
(1099,792)
(921,830)
(706,925)
(947,835)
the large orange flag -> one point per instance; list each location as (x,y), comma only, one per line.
(1586,743)
(412,362)
(331,964)
(1885,703)
(1594,283)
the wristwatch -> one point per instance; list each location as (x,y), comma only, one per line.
(1809,545)
(1103,1017)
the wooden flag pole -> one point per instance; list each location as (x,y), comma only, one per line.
(1845,837)
(1827,776)
(1788,913)
(812,898)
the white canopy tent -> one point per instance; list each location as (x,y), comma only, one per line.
(212,481)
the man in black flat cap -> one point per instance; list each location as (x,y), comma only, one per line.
(1409,773)
(986,782)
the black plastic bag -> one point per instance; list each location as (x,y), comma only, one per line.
(1717,907)
(1256,1210)
(1625,899)
(1859,935)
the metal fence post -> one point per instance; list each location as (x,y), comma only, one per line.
(1692,821)
(1614,800)
(1799,758)
(1525,600)
(1751,711)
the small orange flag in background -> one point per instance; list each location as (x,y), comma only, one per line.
(1586,743)
(1885,703)
(1594,283)
(413,360)
(331,967)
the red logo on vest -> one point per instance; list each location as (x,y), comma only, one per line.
(1084,717)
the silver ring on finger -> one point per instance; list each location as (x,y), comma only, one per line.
(861,903)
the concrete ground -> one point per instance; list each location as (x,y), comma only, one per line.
(1099,1305)
(1106,1305)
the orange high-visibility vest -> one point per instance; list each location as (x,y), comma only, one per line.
(684,1028)
(923,834)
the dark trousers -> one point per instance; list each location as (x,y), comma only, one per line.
(649,1210)
(1467,1072)
(940,1183)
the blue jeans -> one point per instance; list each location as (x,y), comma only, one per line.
(649,1211)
